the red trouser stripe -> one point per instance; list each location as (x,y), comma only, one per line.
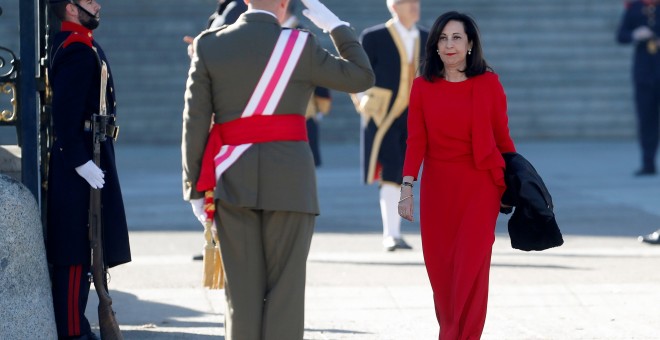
(76,303)
(74,295)
(72,276)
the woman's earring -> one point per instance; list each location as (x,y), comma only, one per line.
(469,51)
(438,51)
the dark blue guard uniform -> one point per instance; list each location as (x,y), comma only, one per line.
(319,103)
(75,78)
(384,143)
(646,77)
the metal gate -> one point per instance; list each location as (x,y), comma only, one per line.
(23,80)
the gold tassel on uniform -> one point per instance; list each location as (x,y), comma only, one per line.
(213,275)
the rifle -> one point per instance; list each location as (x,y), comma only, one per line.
(107,322)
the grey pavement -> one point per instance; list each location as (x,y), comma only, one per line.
(601,284)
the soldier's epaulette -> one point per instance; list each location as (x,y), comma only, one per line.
(75,37)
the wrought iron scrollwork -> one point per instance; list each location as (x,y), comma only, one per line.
(8,80)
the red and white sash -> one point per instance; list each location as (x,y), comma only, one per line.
(268,92)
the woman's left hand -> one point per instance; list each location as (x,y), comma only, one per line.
(406,204)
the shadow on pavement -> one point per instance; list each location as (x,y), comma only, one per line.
(151,314)
(533,266)
(333,331)
(147,335)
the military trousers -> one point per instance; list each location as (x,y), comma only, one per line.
(264,254)
(70,291)
(647,100)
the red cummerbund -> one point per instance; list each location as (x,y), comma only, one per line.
(250,130)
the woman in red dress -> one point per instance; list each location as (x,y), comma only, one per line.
(457,126)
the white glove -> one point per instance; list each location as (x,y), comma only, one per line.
(642,33)
(321,16)
(198,209)
(92,174)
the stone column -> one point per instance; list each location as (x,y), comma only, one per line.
(26,305)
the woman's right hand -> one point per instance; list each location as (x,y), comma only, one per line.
(406,203)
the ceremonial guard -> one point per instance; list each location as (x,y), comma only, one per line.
(321,101)
(395,50)
(639,26)
(75,75)
(257,78)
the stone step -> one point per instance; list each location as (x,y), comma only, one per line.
(555,59)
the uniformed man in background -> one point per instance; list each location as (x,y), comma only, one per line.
(226,14)
(395,50)
(640,27)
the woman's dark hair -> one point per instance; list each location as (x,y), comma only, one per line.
(432,65)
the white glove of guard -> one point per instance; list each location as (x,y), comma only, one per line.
(642,33)
(321,16)
(92,174)
(198,209)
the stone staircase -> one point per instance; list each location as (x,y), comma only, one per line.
(563,72)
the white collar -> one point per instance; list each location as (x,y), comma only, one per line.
(292,22)
(412,33)
(260,11)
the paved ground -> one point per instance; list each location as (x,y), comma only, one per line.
(602,284)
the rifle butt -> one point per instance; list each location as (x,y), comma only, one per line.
(108,323)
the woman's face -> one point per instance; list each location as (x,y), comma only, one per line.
(453,45)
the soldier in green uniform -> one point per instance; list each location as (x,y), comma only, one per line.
(257,78)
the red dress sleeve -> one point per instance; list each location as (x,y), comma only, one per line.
(500,120)
(417,137)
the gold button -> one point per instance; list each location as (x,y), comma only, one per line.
(188,184)
(112,89)
(89,34)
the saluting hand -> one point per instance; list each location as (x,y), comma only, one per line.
(321,16)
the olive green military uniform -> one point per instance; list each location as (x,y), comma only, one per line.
(266,201)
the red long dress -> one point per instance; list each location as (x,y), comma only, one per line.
(459,131)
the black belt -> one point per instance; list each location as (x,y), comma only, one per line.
(111,130)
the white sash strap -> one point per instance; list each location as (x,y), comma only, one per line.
(268,92)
